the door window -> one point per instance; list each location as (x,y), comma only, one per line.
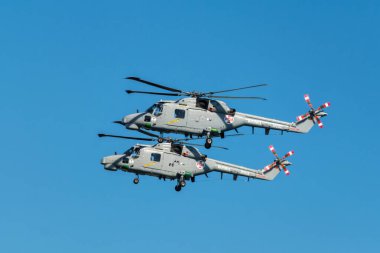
(178,113)
(155,157)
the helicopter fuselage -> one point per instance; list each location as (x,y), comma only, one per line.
(191,116)
(174,161)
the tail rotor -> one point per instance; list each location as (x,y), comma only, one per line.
(279,163)
(313,114)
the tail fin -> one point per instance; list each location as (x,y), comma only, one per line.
(271,174)
(305,125)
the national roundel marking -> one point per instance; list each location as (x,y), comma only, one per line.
(229,119)
(200,165)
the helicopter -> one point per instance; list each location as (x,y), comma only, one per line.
(174,160)
(200,114)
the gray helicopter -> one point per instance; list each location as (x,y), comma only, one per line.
(174,160)
(201,115)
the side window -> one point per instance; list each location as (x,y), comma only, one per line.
(178,113)
(202,103)
(176,148)
(155,157)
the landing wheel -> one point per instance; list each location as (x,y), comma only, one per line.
(160,140)
(136,180)
(182,183)
(177,188)
(208,143)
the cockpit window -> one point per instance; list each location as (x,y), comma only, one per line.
(129,151)
(194,151)
(217,106)
(158,110)
(133,151)
(150,109)
(156,157)
(155,109)
(136,152)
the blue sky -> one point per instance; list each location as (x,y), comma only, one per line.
(62,64)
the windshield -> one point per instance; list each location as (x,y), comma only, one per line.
(150,109)
(194,151)
(158,110)
(136,152)
(133,151)
(155,109)
(129,151)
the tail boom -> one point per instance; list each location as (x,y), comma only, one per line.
(228,168)
(267,123)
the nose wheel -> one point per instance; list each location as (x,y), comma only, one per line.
(136,180)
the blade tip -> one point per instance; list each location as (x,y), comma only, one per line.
(132,78)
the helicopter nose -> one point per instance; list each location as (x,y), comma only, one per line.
(109,163)
(130,120)
(127,119)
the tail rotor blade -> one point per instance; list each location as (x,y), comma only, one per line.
(287,172)
(320,124)
(307,99)
(269,167)
(302,117)
(271,148)
(290,153)
(325,105)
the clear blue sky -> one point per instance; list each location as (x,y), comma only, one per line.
(62,64)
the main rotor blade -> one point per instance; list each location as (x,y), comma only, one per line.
(205,137)
(119,122)
(242,88)
(232,135)
(260,98)
(137,79)
(199,145)
(126,137)
(153,93)
(149,134)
